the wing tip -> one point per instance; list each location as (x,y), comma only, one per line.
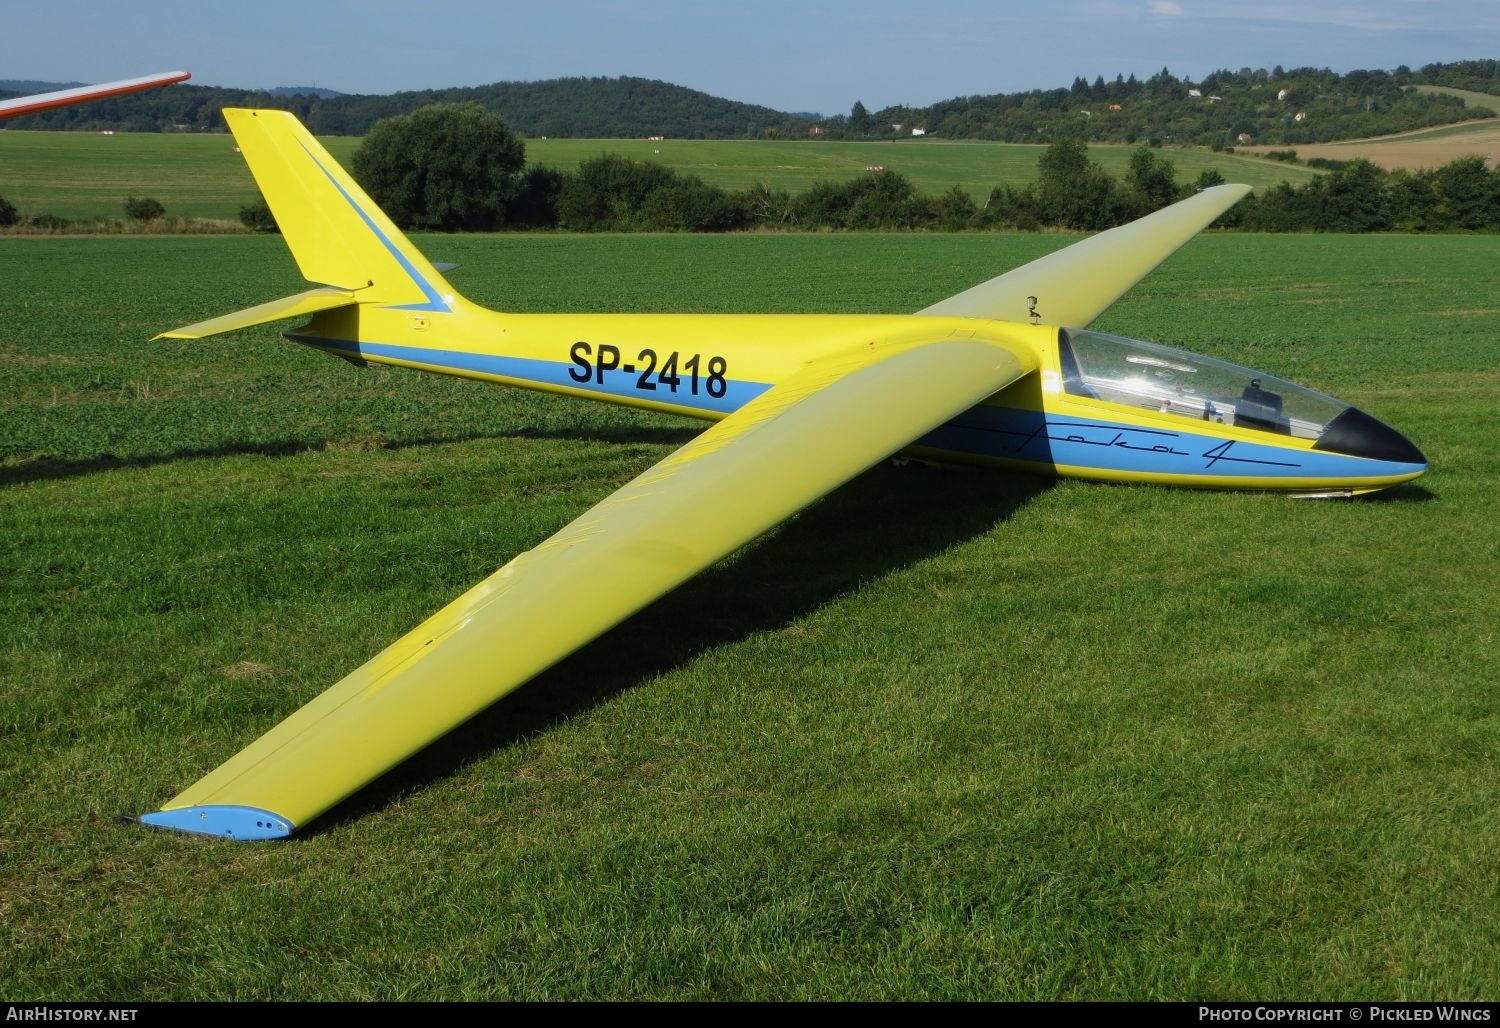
(226,821)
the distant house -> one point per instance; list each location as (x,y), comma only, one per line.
(919,132)
(1281,94)
(1214,99)
(1300,116)
(815,131)
(1115,107)
(1195,92)
(1245,137)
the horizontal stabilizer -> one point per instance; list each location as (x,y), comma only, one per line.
(310,302)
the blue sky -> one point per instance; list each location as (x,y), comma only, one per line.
(812,55)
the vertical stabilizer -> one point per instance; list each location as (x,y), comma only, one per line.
(336,233)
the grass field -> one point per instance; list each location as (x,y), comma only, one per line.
(80,175)
(934,165)
(945,735)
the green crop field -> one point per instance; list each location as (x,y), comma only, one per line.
(82,175)
(945,735)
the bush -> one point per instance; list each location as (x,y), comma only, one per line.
(951,211)
(886,199)
(1151,182)
(445,167)
(823,205)
(607,192)
(880,199)
(1075,192)
(691,205)
(143,208)
(8,215)
(535,203)
(46,221)
(256,216)
(765,206)
(1010,207)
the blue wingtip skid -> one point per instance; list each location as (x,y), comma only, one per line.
(242,824)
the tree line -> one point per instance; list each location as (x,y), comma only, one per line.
(454,167)
(579,107)
(1225,108)
(457,167)
(1275,107)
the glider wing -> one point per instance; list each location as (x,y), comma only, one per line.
(1074,285)
(783,450)
(17,106)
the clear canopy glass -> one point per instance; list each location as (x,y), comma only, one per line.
(1140,374)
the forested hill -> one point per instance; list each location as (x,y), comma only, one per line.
(1304,105)
(592,108)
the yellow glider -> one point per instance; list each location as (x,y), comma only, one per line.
(802,403)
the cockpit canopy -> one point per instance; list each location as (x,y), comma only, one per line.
(1140,374)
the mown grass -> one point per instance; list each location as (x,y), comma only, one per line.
(945,735)
(81,175)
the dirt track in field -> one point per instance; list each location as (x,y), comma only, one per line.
(1425,148)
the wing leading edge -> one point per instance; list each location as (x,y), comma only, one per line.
(757,467)
(1074,285)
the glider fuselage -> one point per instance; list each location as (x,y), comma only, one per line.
(1170,417)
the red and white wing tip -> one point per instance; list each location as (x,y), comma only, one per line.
(62,97)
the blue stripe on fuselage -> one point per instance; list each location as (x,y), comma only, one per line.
(616,381)
(435,301)
(1025,435)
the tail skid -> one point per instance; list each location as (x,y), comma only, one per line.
(339,238)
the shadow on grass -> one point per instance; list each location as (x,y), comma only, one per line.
(1407,493)
(40,469)
(888,518)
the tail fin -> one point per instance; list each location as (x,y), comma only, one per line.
(337,235)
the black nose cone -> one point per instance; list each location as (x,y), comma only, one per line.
(1357,434)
